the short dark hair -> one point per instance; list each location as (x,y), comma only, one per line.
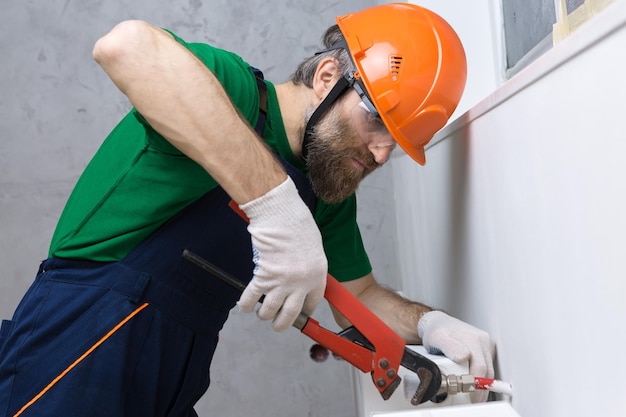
(306,69)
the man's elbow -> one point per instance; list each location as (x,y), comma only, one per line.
(117,45)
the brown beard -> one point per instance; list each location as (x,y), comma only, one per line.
(334,144)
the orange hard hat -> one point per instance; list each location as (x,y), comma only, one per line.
(413,66)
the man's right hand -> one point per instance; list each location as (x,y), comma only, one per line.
(291,265)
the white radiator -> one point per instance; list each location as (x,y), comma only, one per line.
(370,403)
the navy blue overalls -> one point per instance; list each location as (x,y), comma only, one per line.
(128,338)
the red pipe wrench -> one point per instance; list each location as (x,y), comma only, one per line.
(369,344)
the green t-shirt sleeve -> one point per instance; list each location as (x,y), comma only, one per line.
(231,71)
(347,258)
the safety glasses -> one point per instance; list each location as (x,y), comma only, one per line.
(368,123)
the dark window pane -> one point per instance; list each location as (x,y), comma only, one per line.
(573,5)
(526,23)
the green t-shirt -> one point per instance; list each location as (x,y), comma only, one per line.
(137,180)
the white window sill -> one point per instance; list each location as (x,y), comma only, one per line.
(589,34)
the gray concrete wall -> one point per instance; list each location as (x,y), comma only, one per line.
(57,105)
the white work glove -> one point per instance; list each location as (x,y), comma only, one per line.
(290,263)
(460,342)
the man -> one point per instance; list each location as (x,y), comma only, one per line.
(117,323)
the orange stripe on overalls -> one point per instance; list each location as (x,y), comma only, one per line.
(80,359)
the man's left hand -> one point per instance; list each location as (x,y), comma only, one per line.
(460,342)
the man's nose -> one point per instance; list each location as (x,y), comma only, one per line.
(381,153)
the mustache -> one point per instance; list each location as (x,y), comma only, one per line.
(366,158)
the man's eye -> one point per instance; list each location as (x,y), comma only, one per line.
(376,124)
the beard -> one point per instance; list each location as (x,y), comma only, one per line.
(333,147)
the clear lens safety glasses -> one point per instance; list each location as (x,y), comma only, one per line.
(371,128)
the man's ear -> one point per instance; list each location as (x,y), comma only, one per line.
(325,77)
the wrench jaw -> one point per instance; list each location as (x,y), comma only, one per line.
(428,373)
(426,378)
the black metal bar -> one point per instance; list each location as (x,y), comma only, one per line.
(215,271)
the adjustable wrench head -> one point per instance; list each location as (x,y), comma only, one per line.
(428,373)
(426,379)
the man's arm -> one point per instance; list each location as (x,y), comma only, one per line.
(397,312)
(183,101)
(417,323)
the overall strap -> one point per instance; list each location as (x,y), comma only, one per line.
(262,87)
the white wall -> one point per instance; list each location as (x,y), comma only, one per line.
(517,223)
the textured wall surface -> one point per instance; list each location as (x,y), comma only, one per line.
(57,105)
